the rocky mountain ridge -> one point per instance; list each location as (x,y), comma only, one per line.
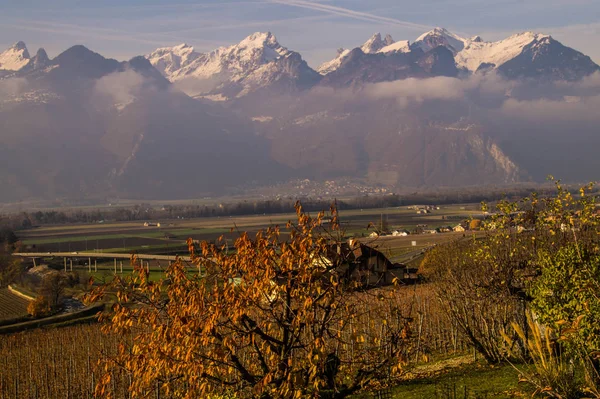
(260,62)
(538,55)
(178,123)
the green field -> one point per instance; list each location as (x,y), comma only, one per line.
(171,236)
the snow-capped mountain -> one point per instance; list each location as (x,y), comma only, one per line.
(335,63)
(15,57)
(388,46)
(476,54)
(375,43)
(257,61)
(372,46)
(526,54)
(439,37)
(358,68)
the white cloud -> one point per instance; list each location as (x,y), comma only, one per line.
(440,88)
(120,87)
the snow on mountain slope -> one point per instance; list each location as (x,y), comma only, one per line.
(401,46)
(440,37)
(374,45)
(237,60)
(526,54)
(469,53)
(182,61)
(168,60)
(258,59)
(15,57)
(335,63)
(476,53)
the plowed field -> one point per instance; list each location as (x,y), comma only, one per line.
(11,305)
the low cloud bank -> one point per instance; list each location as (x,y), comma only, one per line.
(120,87)
(193,86)
(489,86)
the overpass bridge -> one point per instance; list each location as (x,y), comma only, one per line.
(99,255)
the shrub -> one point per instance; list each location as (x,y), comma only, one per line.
(53,287)
(39,307)
(474,286)
(553,372)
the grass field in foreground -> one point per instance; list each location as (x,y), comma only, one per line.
(474,380)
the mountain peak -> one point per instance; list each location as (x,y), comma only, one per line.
(440,30)
(180,49)
(440,37)
(79,61)
(260,38)
(388,40)
(256,61)
(40,59)
(77,49)
(41,53)
(19,46)
(15,57)
(529,35)
(375,43)
(182,46)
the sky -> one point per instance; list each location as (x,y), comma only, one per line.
(122,29)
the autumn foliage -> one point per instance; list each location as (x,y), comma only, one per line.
(538,256)
(271,319)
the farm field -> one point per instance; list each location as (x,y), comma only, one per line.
(170,237)
(11,305)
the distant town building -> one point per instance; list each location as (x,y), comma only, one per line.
(459,228)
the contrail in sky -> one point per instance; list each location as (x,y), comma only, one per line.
(345,12)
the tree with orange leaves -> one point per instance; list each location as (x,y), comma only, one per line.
(274,319)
